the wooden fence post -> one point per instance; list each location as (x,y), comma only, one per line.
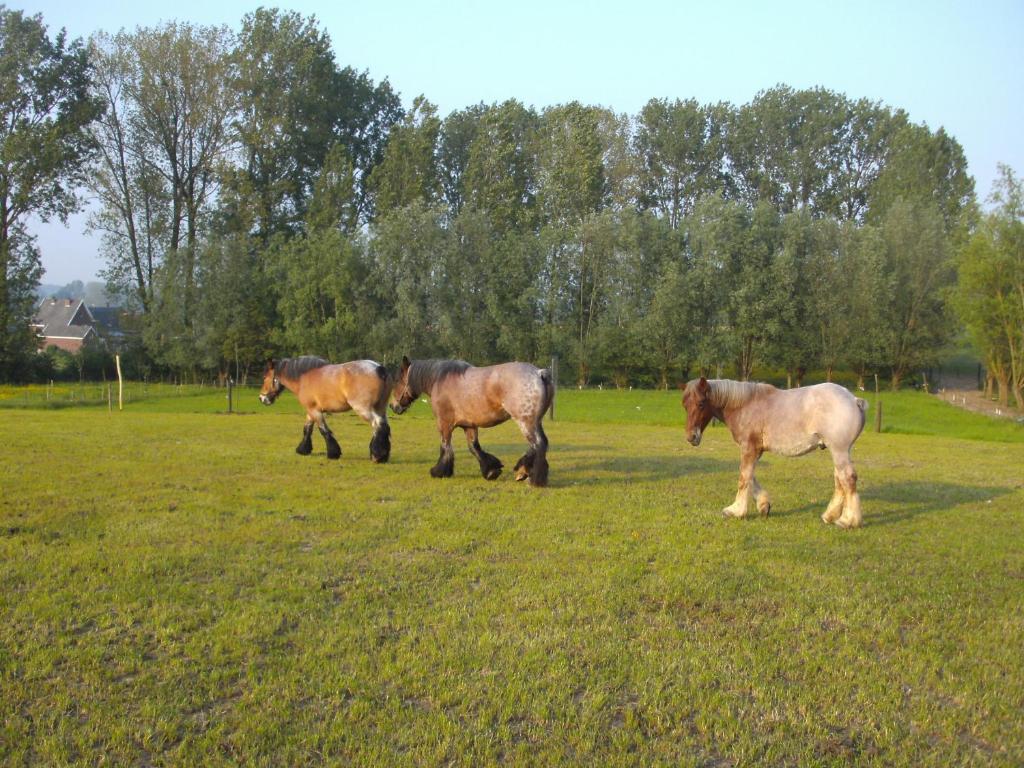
(878,407)
(554,381)
(230,402)
(120,384)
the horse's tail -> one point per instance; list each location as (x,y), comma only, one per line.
(549,390)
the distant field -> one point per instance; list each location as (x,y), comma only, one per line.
(178,587)
(905,412)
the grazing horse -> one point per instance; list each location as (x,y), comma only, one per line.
(360,386)
(788,422)
(468,397)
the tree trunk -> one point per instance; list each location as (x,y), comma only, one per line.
(1004,389)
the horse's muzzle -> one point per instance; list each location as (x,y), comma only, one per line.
(694,438)
(267,399)
(398,410)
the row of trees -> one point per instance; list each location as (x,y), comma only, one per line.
(256,198)
(989,294)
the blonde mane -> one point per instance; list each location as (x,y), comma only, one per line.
(726,393)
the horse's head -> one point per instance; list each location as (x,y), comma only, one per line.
(402,394)
(699,410)
(271,385)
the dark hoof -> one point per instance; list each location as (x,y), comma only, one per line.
(334,453)
(766,511)
(380,459)
(521,473)
(436,471)
(304,449)
(490,466)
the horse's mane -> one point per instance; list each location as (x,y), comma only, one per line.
(423,374)
(726,393)
(293,367)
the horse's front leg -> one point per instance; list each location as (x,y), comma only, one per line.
(847,478)
(333,449)
(748,458)
(490,465)
(445,466)
(306,446)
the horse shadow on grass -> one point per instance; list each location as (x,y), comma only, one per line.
(614,470)
(911,499)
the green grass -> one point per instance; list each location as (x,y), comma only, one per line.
(178,587)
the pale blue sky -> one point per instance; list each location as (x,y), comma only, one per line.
(953,64)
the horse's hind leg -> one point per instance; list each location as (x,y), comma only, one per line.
(846,480)
(490,465)
(835,506)
(333,449)
(851,517)
(764,503)
(306,446)
(533,465)
(380,443)
(445,466)
(377,417)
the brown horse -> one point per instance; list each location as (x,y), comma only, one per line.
(788,422)
(360,386)
(468,397)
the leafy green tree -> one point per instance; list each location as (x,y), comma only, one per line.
(926,168)
(500,178)
(864,144)
(572,182)
(45,112)
(781,147)
(681,155)
(284,72)
(916,325)
(989,296)
(409,171)
(406,247)
(458,131)
(134,199)
(234,332)
(864,298)
(807,247)
(295,105)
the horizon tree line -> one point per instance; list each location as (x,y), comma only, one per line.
(256,199)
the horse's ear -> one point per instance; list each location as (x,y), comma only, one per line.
(405,362)
(702,385)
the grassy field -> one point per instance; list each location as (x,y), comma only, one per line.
(178,587)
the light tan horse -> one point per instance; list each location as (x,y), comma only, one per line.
(788,422)
(322,388)
(472,398)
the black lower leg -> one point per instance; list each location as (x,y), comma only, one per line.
(306,446)
(445,466)
(380,443)
(490,465)
(524,466)
(333,449)
(539,469)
